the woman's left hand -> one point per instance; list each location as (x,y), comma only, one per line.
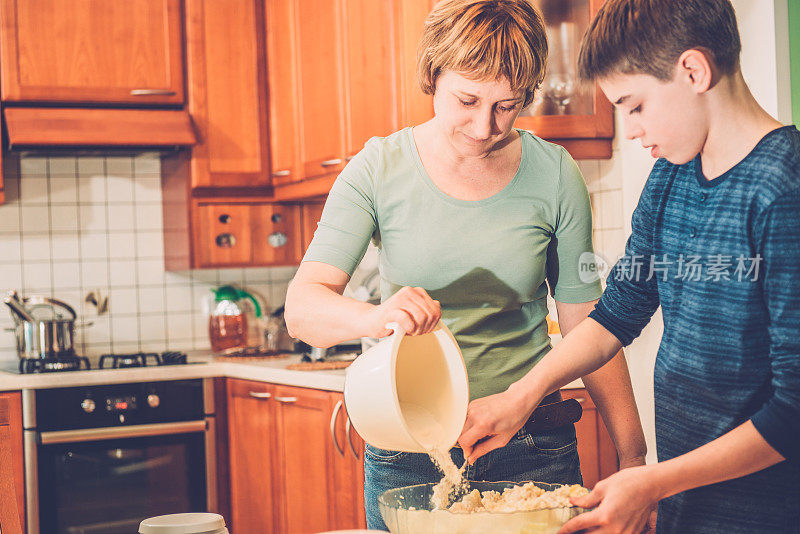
(491,423)
(624,503)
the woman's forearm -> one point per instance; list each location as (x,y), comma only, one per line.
(318,315)
(611,390)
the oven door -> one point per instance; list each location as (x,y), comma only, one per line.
(106,481)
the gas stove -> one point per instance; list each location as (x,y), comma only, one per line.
(106,361)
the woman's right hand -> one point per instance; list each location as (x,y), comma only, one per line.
(411,307)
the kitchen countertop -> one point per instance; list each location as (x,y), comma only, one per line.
(202,364)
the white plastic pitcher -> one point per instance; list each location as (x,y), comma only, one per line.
(409,393)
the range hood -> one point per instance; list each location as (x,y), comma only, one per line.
(54,128)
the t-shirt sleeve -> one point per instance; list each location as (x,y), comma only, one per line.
(778,420)
(348,219)
(631,295)
(571,247)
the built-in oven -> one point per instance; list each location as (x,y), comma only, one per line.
(99,459)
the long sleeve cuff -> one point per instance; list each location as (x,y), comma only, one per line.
(622,331)
(779,424)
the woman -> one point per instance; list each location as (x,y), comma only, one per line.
(472,219)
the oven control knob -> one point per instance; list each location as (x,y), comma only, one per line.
(88,405)
(153,401)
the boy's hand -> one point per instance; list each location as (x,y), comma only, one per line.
(491,422)
(624,504)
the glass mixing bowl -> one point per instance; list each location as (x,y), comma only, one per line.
(396,509)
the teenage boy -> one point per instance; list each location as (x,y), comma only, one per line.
(716,243)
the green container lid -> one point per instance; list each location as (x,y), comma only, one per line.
(224,293)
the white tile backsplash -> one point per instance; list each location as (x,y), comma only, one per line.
(93,218)
(35,219)
(121,273)
(61,166)
(9,220)
(120,217)
(64,218)
(95,224)
(34,192)
(91,189)
(67,275)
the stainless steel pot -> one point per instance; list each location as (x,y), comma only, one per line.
(51,331)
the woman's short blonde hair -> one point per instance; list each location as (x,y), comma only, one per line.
(484,40)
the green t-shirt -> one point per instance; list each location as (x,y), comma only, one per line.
(487,261)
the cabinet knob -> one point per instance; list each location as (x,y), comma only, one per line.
(152,92)
(331,162)
(277,239)
(225,240)
(225,218)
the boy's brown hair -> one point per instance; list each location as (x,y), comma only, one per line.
(649,36)
(484,40)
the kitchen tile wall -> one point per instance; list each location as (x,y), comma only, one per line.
(74,225)
(71,225)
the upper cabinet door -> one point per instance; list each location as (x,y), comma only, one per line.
(319,32)
(370,72)
(415,107)
(91,51)
(227,93)
(284,96)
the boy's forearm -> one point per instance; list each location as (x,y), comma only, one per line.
(587,348)
(738,453)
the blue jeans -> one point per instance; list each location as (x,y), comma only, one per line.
(548,457)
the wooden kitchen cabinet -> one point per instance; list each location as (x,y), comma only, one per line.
(348,470)
(287,474)
(228,96)
(252,450)
(12,470)
(595,448)
(369,72)
(91,51)
(305,455)
(565,112)
(414,106)
(245,234)
(311,214)
(354,62)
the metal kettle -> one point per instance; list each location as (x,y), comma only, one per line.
(44,327)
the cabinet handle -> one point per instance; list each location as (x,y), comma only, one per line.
(152,92)
(333,428)
(260,395)
(349,439)
(286,400)
(331,162)
(280,174)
